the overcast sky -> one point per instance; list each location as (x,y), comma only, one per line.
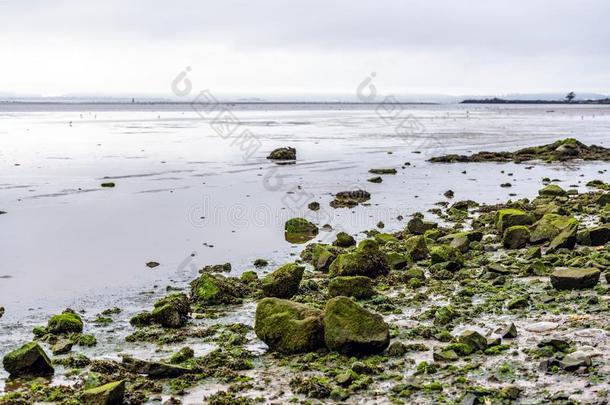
(264,47)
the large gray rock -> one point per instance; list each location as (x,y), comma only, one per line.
(350,329)
(569,278)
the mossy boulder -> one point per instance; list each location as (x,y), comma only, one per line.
(66,322)
(288,327)
(366,260)
(508,217)
(215,289)
(516,237)
(473,340)
(352,330)
(299,230)
(283,282)
(172,311)
(344,240)
(350,199)
(417,226)
(416,248)
(569,278)
(359,287)
(550,226)
(28,361)
(284,153)
(447,254)
(320,256)
(552,190)
(107,394)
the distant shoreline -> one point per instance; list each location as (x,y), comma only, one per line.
(561,102)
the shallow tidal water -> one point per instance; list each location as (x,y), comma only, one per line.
(188,195)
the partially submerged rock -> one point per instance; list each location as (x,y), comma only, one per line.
(299,230)
(563,150)
(66,322)
(350,199)
(574,278)
(366,260)
(284,153)
(383,170)
(107,394)
(283,282)
(28,360)
(214,289)
(552,190)
(288,327)
(352,330)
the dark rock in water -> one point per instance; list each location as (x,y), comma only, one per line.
(283,282)
(352,330)
(344,240)
(376,179)
(214,289)
(67,322)
(563,150)
(349,199)
(108,394)
(508,332)
(28,360)
(449,194)
(397,349)
(516,237)
(182,355)
(288,327)
(153,369)
(508,217)
(1,312)
(216,268)
(473,339)
(367,260)
(152,265)
(358,287)
(314,206)
(259,263)
(552,190)
(570,278)
(383,170)
(285,153)
(107,185)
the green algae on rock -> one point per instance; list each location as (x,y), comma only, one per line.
(358,287)
(366,260)
(505,218)
(574,278)
(344,240)
(516,237)
(215,289)
(562,150)
(288,327)
(383,170)
(552,190)
(66,322)
(107,394)
(28,360)
(283,282)
(350,329)
(299,230)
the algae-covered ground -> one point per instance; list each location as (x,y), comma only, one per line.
(464,302)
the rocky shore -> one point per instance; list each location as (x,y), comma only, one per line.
(468,303)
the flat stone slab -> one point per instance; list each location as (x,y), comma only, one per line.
(569,278)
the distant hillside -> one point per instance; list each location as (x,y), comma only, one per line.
(496,100)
